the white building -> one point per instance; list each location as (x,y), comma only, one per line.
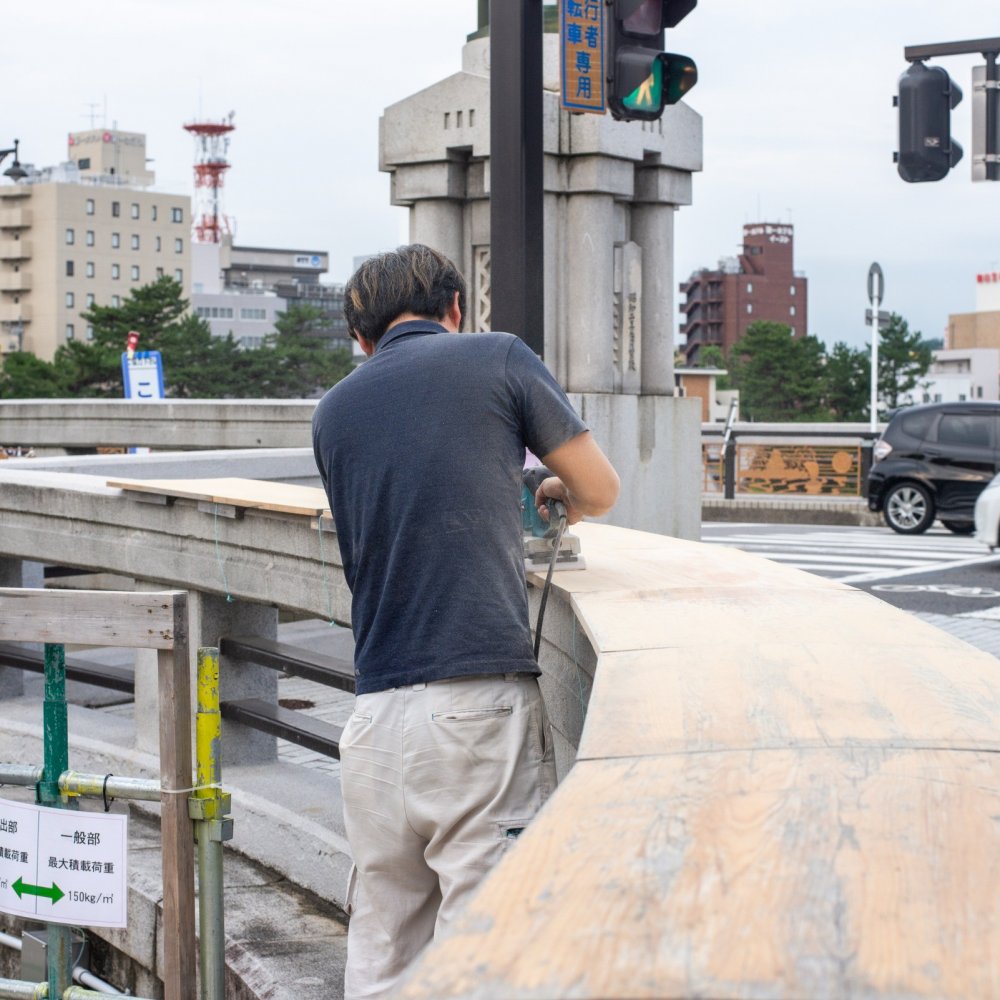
(957,375)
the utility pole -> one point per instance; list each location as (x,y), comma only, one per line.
(517,277)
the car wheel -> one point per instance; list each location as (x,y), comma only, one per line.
(908,509)
(960,527)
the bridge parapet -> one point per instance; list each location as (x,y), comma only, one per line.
(773,785)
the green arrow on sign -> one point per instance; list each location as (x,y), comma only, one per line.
(54,893)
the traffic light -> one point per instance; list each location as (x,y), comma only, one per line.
(642,78)
(926,149)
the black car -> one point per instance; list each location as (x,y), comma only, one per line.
(934,461)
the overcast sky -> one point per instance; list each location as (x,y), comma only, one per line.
(796,97)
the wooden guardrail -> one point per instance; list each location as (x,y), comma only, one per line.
(146,621)
(785,788)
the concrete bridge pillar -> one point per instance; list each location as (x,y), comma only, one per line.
(213,617)
(210,617)
(11,680)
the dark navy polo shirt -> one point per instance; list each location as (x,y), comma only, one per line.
(420,450)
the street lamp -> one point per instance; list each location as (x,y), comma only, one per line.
(15,171)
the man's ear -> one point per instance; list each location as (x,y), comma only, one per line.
(367,346)
(453,315)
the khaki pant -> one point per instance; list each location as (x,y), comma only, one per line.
(438,780)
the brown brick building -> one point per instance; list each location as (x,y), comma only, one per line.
(760,284)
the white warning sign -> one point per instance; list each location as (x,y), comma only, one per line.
(63,866)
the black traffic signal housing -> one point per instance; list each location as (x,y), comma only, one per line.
(642,78)
(926,149)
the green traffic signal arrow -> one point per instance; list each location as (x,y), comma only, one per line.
(54,893)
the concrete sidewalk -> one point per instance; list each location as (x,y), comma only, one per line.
(788,509)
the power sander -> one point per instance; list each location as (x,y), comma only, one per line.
(540,536)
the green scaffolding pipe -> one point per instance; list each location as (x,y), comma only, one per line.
(59,951)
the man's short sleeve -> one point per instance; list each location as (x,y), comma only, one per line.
(547,417)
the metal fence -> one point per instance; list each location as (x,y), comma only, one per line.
(806,461)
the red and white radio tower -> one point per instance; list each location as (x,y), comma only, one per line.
(211,143)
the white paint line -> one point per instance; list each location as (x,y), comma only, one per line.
(931,568)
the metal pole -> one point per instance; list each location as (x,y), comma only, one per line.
(992,111)
(876,302)
(59,947)
(210,827)
(517,280)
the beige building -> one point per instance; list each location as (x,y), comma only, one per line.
(979,329)
(87,232)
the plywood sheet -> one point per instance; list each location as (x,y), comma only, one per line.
(621,560)
(782,874)
(285,497)
(657,618)
(760,694)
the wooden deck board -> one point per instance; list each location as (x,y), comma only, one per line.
(283,497)
(823,874)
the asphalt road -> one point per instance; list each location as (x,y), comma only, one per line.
(937,572)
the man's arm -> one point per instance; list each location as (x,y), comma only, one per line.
(585,481)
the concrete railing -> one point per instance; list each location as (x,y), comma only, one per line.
(778,786)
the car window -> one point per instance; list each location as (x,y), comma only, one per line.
(918,424)
(964,429)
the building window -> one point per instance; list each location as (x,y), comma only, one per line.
(158,244)
(90,299)
(253,314)
(159,272)
(70,300)
(791,289)
(90,237)
(90,206)
(135,241)
(135,272)
(179,276)
(116,208)
(153,211)
(791,310)
(116,301)
(116,272)
(69,269)
(70,237)
(177,215)
(135,210)
(90,268)
(749,288)
(90,333)
(116,241)
(69,331)
(749,307)
(178,246)
(979,392)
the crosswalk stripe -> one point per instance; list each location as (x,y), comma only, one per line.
(862,555)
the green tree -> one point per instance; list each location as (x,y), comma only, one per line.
(712,356)
(847,382)
(903,360)
(196,364)
(23,376)
(779,377)
(296,360)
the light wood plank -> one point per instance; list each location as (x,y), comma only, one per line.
(653,619)
(180,954)
(729,693)
(286,498)
(89,617)
(785,874)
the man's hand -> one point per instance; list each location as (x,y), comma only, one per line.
(554,488)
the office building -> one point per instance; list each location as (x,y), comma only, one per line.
(758,284)
(86,232)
